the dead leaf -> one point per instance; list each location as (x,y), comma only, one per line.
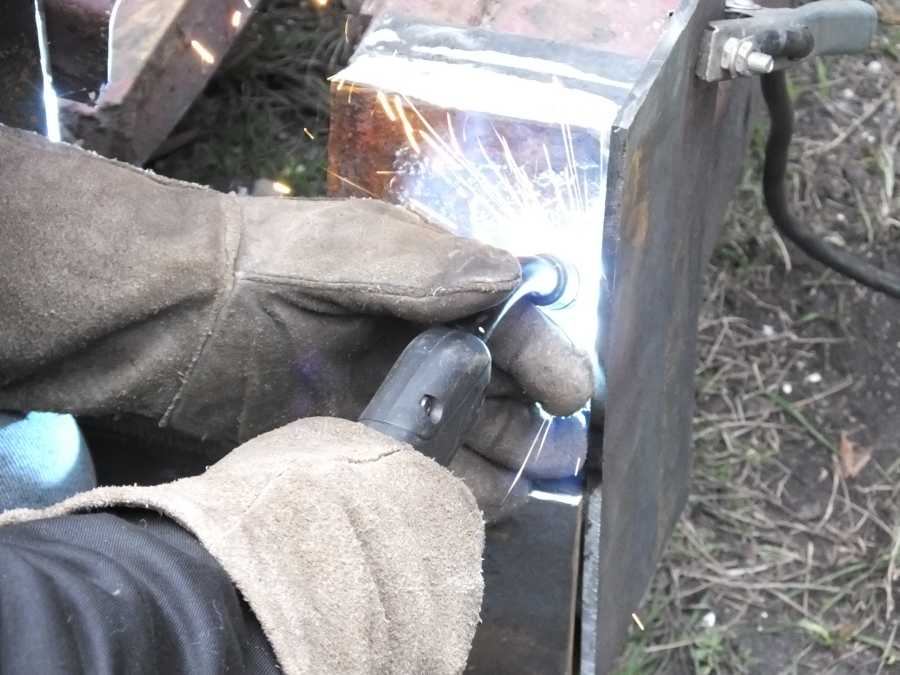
(845,631)
(854,457)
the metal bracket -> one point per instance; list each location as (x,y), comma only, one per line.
(757,40)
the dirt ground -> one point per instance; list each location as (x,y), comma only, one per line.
(786,558)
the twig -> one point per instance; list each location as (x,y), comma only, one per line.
(885,655)
(836,480)
(782,249)
(853,126)
(834,389)
(794,414)
(677,644)
(889,577)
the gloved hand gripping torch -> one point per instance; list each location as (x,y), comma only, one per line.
(433,393)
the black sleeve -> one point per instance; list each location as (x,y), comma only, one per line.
(120,592)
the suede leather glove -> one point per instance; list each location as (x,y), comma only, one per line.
(356,553)
(225,316)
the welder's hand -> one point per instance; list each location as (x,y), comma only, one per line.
(515,440)
(226,316)
(356,553)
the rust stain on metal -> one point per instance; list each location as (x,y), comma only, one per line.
(634,204)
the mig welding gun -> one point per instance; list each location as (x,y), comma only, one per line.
(432,394)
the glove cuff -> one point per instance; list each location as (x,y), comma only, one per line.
(356,553)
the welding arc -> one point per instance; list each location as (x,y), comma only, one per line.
(545,281)
(781,111)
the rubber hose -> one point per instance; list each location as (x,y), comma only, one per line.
(781,111)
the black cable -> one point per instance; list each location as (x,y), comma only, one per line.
(781,111)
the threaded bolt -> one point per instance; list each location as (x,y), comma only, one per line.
(758,62)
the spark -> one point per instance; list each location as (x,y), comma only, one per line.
(495,179)
(637,621)
(236,17)
(205,55)
(341,84)
(542,435)
(454,142)
(309,134)
(383,100)
(407,127)
(281,188)
(456,156)
(51,101)
(385,172)
(430,214)
(549,419)
(577,465)
(351,183)
(350,92)
(347,29)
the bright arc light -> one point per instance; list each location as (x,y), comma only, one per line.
(544,496)
(205,55)
(281,188)
(236,19)
(51,102)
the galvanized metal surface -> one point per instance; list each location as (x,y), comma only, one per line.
(675,158)
(836,26)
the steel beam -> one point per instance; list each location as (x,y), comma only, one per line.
(161,55)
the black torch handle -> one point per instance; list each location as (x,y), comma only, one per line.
(432,394)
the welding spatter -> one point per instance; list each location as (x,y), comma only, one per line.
(432,394)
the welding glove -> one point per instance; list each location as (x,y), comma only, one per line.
(356,553)
(224,316)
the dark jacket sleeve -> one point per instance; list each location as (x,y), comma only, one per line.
(120,592)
